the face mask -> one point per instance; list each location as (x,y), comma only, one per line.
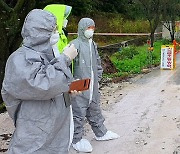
(54,37)
(89,33)
(65,23)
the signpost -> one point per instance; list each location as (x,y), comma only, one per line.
(167,57)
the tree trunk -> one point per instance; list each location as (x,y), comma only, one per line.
(173,30)
(152,39)
(172,36)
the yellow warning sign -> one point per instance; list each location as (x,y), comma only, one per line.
(167,57)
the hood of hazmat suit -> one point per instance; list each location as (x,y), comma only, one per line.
(61,12)
(87,64)
(33,89)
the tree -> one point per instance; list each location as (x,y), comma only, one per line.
(171,12)
(152,11)
(11,16)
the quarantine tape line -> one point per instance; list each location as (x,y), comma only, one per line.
(121,34)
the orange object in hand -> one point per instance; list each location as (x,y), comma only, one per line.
(80,85)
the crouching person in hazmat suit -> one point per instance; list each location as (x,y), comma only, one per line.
(88,65)
(34,83)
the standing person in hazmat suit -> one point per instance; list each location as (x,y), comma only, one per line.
(61,12)
(34,83)
(88,65)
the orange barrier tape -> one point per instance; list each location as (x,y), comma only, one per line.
(175,43)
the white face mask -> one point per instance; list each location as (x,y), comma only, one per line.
(65,23)
(54,37)
(89,33)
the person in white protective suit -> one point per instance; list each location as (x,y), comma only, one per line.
(34,83)
(88,65)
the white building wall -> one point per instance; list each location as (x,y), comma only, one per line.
(166,34)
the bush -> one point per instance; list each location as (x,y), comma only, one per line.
(165,41)
(123,60)
(126,53)
(133,59)
(109,23)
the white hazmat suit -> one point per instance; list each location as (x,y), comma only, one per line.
(88,65)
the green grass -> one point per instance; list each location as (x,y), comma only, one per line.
(132,60)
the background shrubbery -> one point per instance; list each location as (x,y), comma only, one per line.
(110,23)
(132,60)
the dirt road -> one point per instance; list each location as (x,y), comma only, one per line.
(144,112)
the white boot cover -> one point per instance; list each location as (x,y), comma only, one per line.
(108,136)
(83,146)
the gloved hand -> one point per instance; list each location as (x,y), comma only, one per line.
(74,92)
(70,51)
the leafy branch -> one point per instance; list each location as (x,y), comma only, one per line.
(4,6)
(18,5)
